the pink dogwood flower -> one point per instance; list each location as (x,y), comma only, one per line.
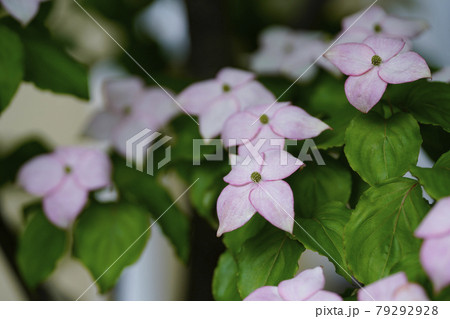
(290,53)
(281,120)
(306,286)
(376,22)
(373,64)
(130,108)
(257,186)
(217,99)
(64,179)
(393,288)
(22,10)
(435,251)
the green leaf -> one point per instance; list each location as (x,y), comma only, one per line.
(379,149)
(380,232)
(278,85)
(329,103)
(120,11)
(444,295)
(267,259)
(412,267)
(184,131)
(358,188)
(11,66)
(51,68)
(236,238)
(324,233)
(146,191)
(224,284)
(444,161)
(108,238)
(40,247)
(429,102)
(316,185)
(436,141)
(436,180)
(187,143)
(207,189)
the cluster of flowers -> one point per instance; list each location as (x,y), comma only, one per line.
(373,50)
(435,229)
(233,105)
(308,286)
(65,177)
(22,10)
(241,110)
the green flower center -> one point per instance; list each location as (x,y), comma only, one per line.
(264,119)
(226,88)
(256,177)
(67,169)
(377,28)
(376,60)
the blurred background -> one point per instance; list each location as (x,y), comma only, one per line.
(176,41)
